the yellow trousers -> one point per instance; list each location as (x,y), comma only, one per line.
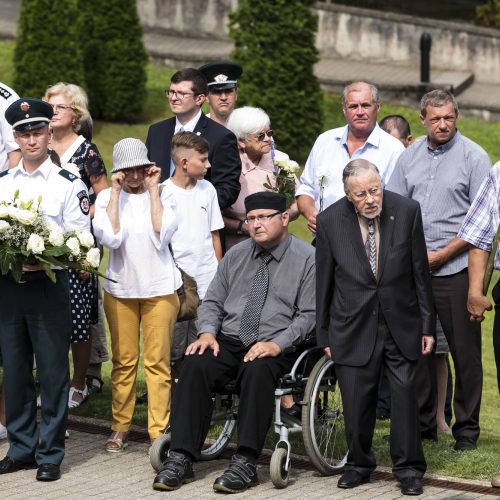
(157,315)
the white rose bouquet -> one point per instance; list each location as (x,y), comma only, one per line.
(284,175)
(322,174)
(28,238)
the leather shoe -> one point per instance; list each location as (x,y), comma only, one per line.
(176,471)
(495,481)
(465,444)
(411,486)
(239,476)
(351,479)
(294,412)
(48,472)
(8,465)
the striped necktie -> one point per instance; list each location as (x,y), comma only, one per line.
(371,247)
(250,319)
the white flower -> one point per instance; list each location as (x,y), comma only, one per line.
(289,166)
(86,238)
(56,236)
(71,167)
(25,217)
(4,225)
(35,244)
(322,173)
(74,245)
(4,211)
(94,257)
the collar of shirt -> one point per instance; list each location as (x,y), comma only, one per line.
(43,170)
(265,163)
(443,148)
(277,252)
(373,138)
(189,126)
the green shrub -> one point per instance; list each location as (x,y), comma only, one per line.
(47,46)
(114,59)
(488,14)
(274,42)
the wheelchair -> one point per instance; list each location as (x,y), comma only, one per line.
(313,383)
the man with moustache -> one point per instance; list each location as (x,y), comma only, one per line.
(374,309)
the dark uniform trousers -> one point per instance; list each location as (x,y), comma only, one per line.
(464,339)
(202,375)
(35,319)
(359,390)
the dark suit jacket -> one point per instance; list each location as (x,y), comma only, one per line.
(223,155)
(347,294)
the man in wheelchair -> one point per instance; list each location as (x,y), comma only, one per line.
(260,303)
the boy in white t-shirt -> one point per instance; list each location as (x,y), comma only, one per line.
(196,243)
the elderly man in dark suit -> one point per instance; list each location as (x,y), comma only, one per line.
(374,309)
(187,93)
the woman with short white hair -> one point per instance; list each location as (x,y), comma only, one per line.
(252,127)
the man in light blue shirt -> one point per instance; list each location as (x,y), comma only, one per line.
(444,173)
(321,181)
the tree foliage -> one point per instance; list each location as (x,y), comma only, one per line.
(488,14)
(47,46)
(114,59)
(274,42)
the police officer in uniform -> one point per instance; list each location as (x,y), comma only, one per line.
(35,313)
(222,81)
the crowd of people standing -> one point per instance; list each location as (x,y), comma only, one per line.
(402,228)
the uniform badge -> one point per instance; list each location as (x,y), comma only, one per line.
(220,78)
(24,106)
(84,202)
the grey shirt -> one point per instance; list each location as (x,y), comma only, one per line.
(444,181)
(289,312)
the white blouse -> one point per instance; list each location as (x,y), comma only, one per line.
(139,259)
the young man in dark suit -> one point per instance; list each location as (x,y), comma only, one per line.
(187,93)
(374,308)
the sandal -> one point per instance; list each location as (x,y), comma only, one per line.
(72,404)
(94,384)
(117,442)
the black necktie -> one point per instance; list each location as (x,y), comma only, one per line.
(250,319)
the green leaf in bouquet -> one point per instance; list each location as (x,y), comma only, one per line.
(55,251)
(48,271)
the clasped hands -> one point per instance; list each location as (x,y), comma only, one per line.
(258,350)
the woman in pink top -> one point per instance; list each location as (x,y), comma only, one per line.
(252,128)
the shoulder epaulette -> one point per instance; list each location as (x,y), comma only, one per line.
(67,175)
(5,172)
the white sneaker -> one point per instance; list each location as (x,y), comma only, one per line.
(66,435)
(3,432)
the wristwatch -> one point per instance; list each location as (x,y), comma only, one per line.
(239,232)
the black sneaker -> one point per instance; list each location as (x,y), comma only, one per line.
(177,470)
(239,476)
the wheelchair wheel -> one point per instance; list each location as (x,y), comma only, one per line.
(323,428)
(159,451)
(221,427)
(277,469)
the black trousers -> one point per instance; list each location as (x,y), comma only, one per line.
(464,339)
(359,390)
(202,375)
(496,329)
(35,318)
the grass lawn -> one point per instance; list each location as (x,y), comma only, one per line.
(479,464)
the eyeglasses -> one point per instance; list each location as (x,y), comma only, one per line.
(61,107)
(262,135)
(177,94)
(260,218)
(364,194)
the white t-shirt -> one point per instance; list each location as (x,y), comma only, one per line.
(7,142)
(198,214)
(139,259)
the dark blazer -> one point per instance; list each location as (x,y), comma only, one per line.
(223,155)
(348,296)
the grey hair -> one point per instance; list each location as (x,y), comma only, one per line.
(358,167)
(356,86)
(247,120)
(437,98)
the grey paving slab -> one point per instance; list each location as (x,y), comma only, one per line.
(90,472)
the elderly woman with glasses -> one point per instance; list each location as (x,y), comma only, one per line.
(81,158)
(252,128)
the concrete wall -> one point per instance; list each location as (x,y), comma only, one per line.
(348,32)
(360,34)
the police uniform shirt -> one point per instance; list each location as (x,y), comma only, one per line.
(65,199)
